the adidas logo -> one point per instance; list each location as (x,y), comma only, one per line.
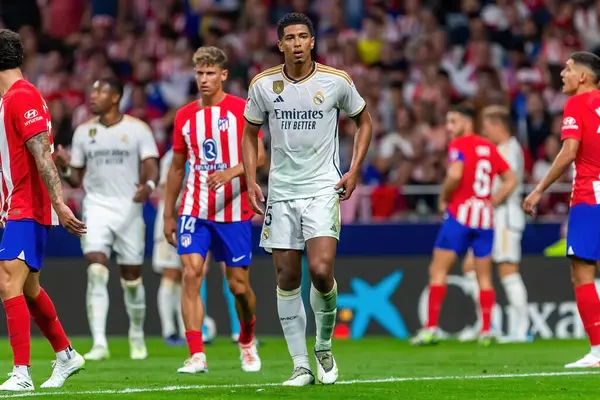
(279,99)
(334,228)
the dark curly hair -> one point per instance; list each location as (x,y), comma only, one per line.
(294,19)
(11,50)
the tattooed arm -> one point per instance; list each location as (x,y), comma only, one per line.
(39,147)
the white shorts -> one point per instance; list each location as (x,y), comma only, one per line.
(289,224)
(164,256)
(116,227)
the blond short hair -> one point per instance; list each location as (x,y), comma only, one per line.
(497,113)
(210,55)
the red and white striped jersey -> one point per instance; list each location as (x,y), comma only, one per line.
(23,115)
(211,137)
(470,202)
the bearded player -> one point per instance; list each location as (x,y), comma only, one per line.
(509,223)
(301,101)
(214,214)
(115,157)
(32,201)
(580,144)
(468,204)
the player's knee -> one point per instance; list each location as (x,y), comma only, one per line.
(238,285)
(131,273)
(321,273)
(131,284)
(191,274)
(172,274)
(97,274)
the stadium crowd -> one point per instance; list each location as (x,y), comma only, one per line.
(410,59)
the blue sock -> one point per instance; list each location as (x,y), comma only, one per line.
(234,321)
(203,295)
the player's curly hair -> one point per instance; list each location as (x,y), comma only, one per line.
(294,19)
(11,50)
(589,60)
(210,55)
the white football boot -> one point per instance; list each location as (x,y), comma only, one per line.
(301,377)
(63,370)
(588,361)
(249,356)
(327,370)
(18,382)
(137,348)
(194,365)
(97,353)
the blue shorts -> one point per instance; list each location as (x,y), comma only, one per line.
(583,232)
(459,238)
(229,242)
(24,240)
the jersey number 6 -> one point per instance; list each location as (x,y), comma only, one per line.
(483,180)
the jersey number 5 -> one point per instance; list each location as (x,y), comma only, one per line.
(483,179)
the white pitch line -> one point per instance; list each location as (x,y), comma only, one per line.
(271,384)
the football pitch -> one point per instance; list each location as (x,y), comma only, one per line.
(373,368)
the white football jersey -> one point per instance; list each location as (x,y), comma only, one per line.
(112,157)
(511,211)
(303,121)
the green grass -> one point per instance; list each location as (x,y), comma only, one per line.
(449,371)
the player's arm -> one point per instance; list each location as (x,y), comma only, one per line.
(40,149)
(571,136)
(354,105)
(508,176)
(174,180)
(72,172)
(453,177)
(149,173)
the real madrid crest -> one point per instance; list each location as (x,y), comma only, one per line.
(319,98)
(124,138)
(278,87)
(92,133)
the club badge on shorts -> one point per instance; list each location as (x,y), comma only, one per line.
(186,240)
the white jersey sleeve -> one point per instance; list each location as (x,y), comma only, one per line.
(349,99)
(165,163)
(146,144)
(77,150)
(255,109)
(510,214)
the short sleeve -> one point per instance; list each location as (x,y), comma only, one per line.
(499,163)
(30,114)
(572,121)
(147,144)
(255,111)
(349,99)
(455,153)
(77,150)
(165,163)
(179,145)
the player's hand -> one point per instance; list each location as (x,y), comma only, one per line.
(170,230)
(142,193)
(254,196)
(218,179)
(347,184)
(442,206)
(530,202)
(69,221)
(61,157)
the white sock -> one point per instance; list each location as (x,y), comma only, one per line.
(292,317)
(97,302)
(324,307)
(176,299)
(135,305)
(596,351)
(66,354)
(166,308)
(471,278)
(517,297)
(21,369)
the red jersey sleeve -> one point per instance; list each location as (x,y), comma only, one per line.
(499,163)
(455,153)
(572,120)
(29,114)
(179,145)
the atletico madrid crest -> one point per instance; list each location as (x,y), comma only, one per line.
(223,124)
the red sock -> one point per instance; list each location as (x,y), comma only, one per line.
(19,325)
(44,314)
(437,293)
(247,331)
(487,299)
(588,305)
(195,343)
